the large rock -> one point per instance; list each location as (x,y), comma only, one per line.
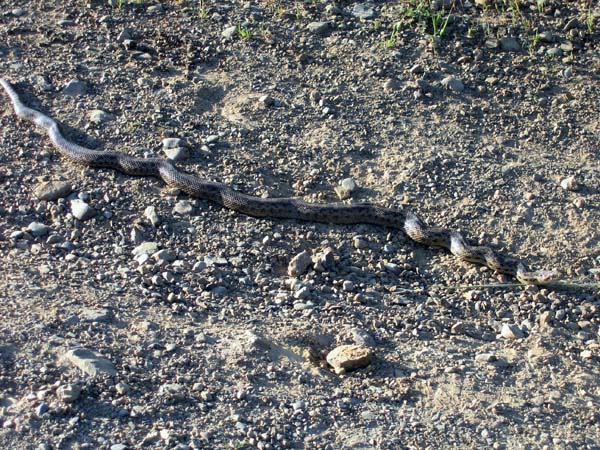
(348,357)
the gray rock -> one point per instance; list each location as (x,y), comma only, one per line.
(42,409)
(554,52)
(364,11)
(38,229)
(52,190)
(570,184)
(213,138)
(509,44)
(156,9)
(184,207)
(95,315)
(453,83)
(118,447)
(75,88)
(148,248)
(299,264)
(547,36)
(485,357)
(318,27)
(90,362)
(164,255)
(99,116)
(511,331)
(68,393)
(81,210)
(151,214)
(229,32)
(18,12)
(66,23)
(173,143)
(176,154)
(345,189)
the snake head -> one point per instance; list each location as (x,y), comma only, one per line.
(538,277)
(457,243)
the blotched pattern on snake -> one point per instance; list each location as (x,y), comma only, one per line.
(285,208)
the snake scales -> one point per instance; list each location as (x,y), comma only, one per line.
(285,208)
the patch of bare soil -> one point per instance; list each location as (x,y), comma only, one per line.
(187,329)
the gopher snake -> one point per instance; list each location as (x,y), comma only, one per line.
(285,208)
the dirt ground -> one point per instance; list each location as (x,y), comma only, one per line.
(482,116)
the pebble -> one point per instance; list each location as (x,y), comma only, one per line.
(547,36)
(118,447)
(52,190)
(360,242)
(81,210)
(148,248)
(75,88)
(511,331)
(38,229)
(348,357)
(212,139)
(570,183)
(554,52)
(156,9)
(183,207)
(324,260)
(348,286)
(151,214)
(318,27)
(509,44)
(90,362)
(173,143)
(42,409)
(453,83)
(99,116)
(229,32)
(69,393)
(18,12)
(485,357)
(122,388)
(345,188)
(164,255)
(362,338)
(364,11)
(391,85)
(96,315)
(299,264)
(66,23)
(266,100)
(176,154)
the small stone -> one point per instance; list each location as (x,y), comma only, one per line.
(172,143)
(42,409)
(122,388)
(345,189)
(156,9)
(348,286)
(38,229)
(391,85)
(90,362)
(99,116)
(176,154)
(68,393)
(266,100)
(164,255)
(547,36)
(52,190)
(570,184)
(229,32)
(212,139)
(66,23)
(18,12)
(81,210)
(453,83)
(75,88)
(554,52)
(545,319)
(147,248)
(509,44)
(96,315)
(318,27)
(324,260)
(364,11)
(511,331)
(299,405)
(151,214)
(348,357)
(485,357)
(299,264)
(586,354)
(118,447)
(183,207)
(360,242)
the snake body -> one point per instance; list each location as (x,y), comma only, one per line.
(284,208)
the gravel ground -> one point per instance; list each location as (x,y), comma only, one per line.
(137,317)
